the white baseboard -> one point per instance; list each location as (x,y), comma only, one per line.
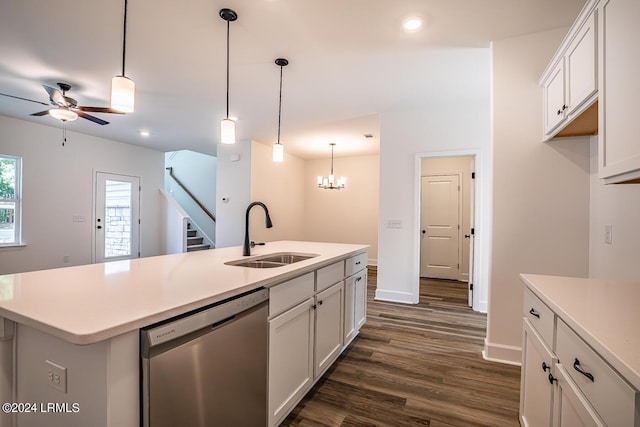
(395,296)
(508,354)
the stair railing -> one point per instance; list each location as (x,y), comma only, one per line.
(195,199)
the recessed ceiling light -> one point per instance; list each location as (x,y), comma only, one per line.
(144,133)
(412,24)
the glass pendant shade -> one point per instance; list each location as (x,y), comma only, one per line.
(278,152)
(122,94)
(330,183)
(63,114)
(227,131)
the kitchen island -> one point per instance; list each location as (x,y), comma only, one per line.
(86,320)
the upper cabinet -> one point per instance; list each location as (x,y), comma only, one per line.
(619,138)
(591,86)
(570,82)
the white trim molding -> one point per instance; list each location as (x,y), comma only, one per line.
(508,354)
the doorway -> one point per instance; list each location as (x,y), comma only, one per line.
(446,220)
(117,217)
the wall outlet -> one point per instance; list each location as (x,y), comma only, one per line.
(608,238)
(56,376)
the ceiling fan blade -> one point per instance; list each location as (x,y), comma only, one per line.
(92,118)
(41,113)
(99,109)
(56,96)
(24,99)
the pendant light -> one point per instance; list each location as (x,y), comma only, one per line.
(278,149)
(228,126)
(123,88)
(329,182)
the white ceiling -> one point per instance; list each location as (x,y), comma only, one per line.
(349,61)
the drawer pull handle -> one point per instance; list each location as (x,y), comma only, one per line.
(357,262)
(552,379)
(534,313)
(545,367)
(576,366)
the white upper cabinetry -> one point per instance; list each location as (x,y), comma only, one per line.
(619,139)
(591,86)
(570,82)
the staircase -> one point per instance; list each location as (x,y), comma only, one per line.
(195,243)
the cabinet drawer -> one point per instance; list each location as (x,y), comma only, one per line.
(329,275)
(612,398)
(355,264)
(287,294)
(540,316)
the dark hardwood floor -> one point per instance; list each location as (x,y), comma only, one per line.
(415,365)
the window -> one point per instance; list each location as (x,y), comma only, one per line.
(10,200)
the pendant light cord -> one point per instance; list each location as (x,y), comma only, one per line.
(332,158)
(124,37)
(280,105)
(228,25)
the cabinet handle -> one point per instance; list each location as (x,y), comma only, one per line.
(545,367)
(576,366)
(534,313)
(552,379)
(358,263)
(358,278)
(320,302)
(314,306)
(564,107)
(559,112)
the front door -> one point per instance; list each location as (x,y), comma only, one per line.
(117,219)
(440,227)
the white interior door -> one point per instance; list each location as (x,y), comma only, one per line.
(117,217)
(440,227)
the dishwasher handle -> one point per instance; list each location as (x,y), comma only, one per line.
(214,315)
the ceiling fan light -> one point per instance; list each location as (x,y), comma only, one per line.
(122,94)
(63,114)
(278,152)
(227,131)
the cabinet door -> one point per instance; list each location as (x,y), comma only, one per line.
(361,300)
(554,103)
(536,391)
(329,327)
(580,63)
(350,330)
(619,129)
(570,407)
(291,337)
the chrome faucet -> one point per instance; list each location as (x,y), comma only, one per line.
(246,251)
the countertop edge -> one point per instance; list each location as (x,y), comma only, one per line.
(618,364)
(111,332)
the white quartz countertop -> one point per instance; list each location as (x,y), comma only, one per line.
(91,303)
(603,312)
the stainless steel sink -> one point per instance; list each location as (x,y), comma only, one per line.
(278,259)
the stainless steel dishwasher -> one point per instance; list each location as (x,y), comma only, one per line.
(209,367)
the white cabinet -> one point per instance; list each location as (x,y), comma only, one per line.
(355,299)
(564,381)
(328,337)
(306,329)
(570,83)
(571,408)
(536,389)
(619,107)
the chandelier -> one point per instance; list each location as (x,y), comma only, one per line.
(329,183)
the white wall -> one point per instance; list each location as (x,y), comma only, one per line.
(197,172)
(349,215)
(233,183)
(281,187)
(619,206)
(540,191)
(58,183)
(462,166)
(457,125)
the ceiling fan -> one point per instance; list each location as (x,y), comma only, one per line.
(67,109)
